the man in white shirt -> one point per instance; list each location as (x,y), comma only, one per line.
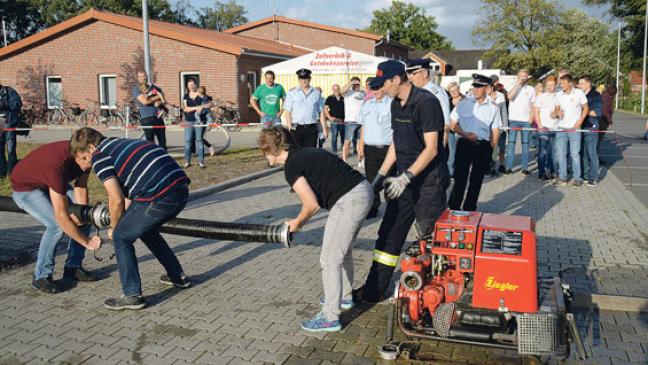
(353,99)
(571,110)
(521,98)
(544,108)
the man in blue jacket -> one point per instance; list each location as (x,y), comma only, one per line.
(10,105)
(589,150)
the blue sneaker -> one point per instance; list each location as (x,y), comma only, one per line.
(345,304)
(319,323)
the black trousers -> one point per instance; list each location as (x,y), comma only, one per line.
(374,157)
(305,135)
(424,200)
(472,158)
(152,133)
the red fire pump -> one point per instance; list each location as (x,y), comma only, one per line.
(475,281)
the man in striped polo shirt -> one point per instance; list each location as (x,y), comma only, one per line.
(146,188)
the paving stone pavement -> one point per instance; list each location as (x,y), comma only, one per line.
(248,298)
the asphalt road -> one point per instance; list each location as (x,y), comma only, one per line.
(626,154)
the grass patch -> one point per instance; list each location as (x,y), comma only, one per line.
(233,163)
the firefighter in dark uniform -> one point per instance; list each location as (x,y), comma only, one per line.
(418,189)
(476,121)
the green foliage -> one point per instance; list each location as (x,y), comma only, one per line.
(516,32)
(633,13)
(21,18)
(222,16)
(409,25)
(540,35)
(26,17)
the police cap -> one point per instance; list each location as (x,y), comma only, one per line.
(304,73)
(418,64)
(481,80)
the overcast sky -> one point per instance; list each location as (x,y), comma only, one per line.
(455,18)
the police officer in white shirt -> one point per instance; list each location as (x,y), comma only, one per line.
(521,98)
(476,120)
(375,137)
(544,107)
(571,109)
(303,109)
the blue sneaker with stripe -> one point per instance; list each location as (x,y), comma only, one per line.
(345,304)
(319,323)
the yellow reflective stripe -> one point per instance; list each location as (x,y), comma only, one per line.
(385,258)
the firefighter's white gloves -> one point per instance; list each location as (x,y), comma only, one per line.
(395,186)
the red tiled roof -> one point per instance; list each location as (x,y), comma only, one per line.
(228,43)
(303,23)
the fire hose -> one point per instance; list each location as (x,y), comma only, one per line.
(99,216)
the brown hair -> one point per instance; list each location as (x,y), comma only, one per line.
(83,138)
(275,139)
(551,78)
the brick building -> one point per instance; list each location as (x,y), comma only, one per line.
(447,63)
(315,36)
(93,58)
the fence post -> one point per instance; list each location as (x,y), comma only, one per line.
(128,123)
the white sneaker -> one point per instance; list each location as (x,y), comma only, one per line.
(212,151)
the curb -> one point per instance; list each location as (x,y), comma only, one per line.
(610,303)
(213,189)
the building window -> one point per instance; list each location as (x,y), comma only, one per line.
(108,91)
(54,91)
(184,78)
(251,80)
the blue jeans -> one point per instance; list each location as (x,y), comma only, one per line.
(568,143)
(7,164)
(590,156)
(194,134)
(512,138)
(142,220)
(452,150)
(270,121)
(37,203)
(546,161)
(336,129)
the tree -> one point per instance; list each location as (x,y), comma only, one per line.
(20,17)
(583,45)
(633,13)
(516,31)
(26,17)
(540,35)
(222,16)
(409,25)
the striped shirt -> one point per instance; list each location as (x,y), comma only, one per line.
(144,170)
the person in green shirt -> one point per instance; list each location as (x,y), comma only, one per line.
(265,101)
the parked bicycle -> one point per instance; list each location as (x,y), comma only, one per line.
(67,113)
(35,113)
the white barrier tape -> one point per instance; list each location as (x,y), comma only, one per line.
(135,127)
(558,130)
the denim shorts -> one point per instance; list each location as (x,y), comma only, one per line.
(351,131)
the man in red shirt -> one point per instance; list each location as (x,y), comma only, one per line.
(41,186)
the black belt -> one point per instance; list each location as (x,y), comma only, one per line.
(305,125)
(378,146)
(477,142)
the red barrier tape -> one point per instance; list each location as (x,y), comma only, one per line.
(132,127)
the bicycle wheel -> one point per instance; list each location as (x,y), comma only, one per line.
(219,138)
(55,117)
